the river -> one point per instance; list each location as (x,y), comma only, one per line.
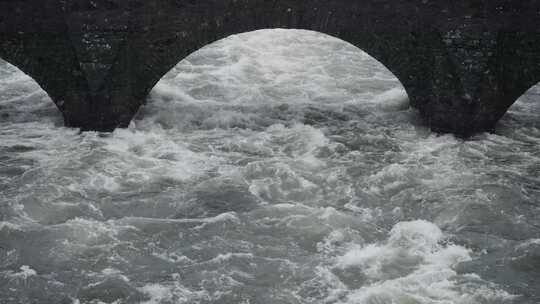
(277,166)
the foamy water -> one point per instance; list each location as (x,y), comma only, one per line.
(275,166)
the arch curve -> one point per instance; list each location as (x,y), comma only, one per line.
(11,71)
(13,66)
(527,106)
(262,59)
(183,30)
(21,96)
(517,71)
(49,59)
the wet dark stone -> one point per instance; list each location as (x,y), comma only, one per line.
(463,64)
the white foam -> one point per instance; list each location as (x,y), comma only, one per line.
(222,257)
(171,292)
(393,99)
(157,293)
(224,217)
(8,225)
(412,265)
(24,274)
(150,155)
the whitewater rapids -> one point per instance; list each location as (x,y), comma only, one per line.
(277,166)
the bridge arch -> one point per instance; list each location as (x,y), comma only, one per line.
(20,95)
(172,60)
(263,60)
(525,111)
(517,74)
(384,34)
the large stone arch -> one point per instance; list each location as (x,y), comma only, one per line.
(183,30)
(13,70)
(295,31)
(519,71)
(453,67)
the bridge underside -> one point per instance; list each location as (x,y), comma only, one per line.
(462,64)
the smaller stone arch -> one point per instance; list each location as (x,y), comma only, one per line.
(525,110)
(516,69)
(18,91)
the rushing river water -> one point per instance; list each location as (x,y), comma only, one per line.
(271,167)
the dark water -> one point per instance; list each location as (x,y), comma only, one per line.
(271,167)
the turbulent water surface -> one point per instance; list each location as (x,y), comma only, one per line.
(270,167)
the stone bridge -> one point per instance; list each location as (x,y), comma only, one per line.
(462,63)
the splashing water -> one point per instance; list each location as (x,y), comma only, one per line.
(277,166)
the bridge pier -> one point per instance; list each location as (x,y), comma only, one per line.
(468,76)
(96,113)
(461,116)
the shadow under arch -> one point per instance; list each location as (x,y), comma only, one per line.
(22,99)
(267,58)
